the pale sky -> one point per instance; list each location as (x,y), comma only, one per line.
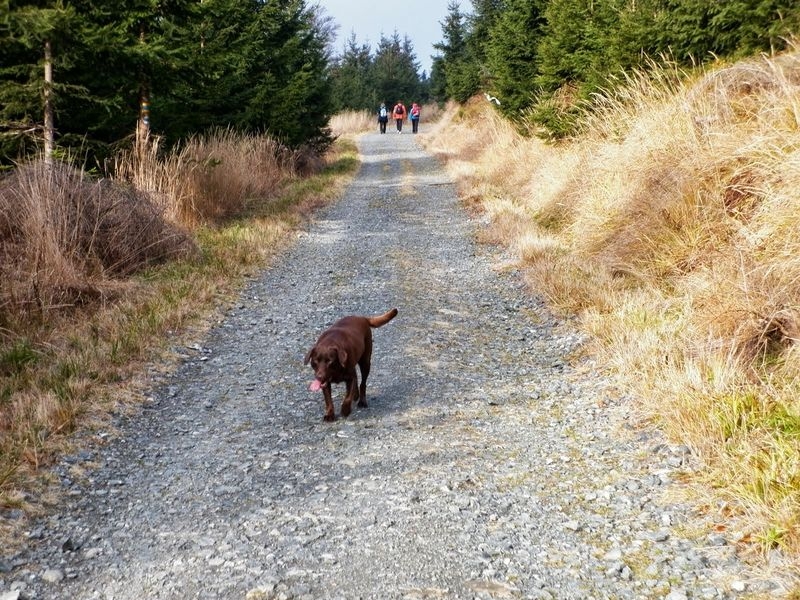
(420,20)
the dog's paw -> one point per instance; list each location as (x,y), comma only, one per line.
(329,418)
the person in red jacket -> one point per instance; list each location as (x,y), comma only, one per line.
(399,115)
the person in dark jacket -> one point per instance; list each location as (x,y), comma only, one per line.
(383,117)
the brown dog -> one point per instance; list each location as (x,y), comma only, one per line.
(334,357)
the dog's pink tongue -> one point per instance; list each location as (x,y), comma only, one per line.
(315,386)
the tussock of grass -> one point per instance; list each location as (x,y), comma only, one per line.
(63,236)
(351,122)
(669,226)
(211,177)
(67,368)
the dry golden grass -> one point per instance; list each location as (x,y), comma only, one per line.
(352,122)
(211,177)
(63,236)
(669,226)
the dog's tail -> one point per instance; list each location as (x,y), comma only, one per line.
(382,319)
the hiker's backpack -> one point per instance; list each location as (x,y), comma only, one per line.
(383,112)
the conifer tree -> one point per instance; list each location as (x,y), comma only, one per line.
(352,85)
(480,22)
(395,71)
(458,69)
(188,66)
(286,68)
(438,80)
(631,36)
(512,56)
(362,80)
(35,48)
(139,50)
(567,46)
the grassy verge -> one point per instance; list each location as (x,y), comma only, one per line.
(85,350)
(669,227)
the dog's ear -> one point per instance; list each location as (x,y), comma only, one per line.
(342,354)
(308,355)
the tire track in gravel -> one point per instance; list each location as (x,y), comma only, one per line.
(485,467)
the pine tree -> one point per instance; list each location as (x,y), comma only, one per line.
(631,38)
(35,42)
(484,15)
(458,69)
(286,71)
(395,71)
(350,78)
(566,47)
(139,50)
(512,56)
(438,80)
(216,87)
(362,80)
(188,66)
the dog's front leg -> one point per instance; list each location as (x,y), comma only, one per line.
(349,396)
(330,414)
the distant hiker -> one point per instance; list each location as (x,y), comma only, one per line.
(399,115)
(413,114)
(383,117)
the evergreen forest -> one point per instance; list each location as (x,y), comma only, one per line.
(94,73)
(178,67)
(362,79)
(542,59)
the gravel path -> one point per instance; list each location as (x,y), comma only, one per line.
(486,466)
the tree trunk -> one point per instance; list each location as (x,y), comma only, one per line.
(143,124)
(49,127)
(143,127)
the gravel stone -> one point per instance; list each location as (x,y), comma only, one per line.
(53,576)
(491,462)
